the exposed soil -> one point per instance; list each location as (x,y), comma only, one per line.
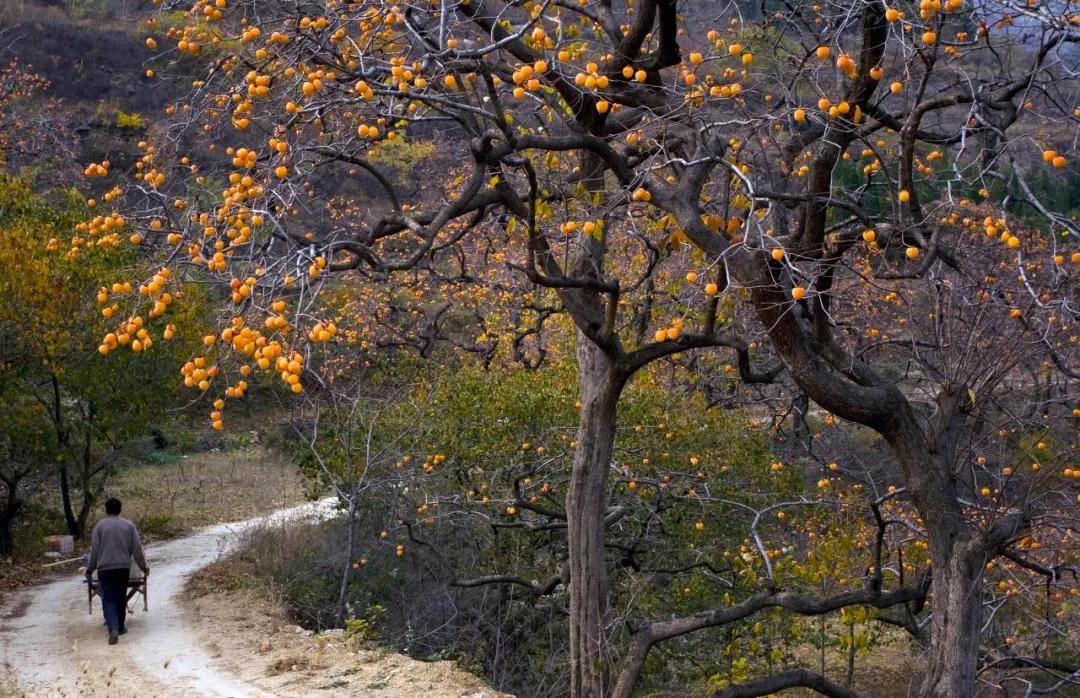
(51,646)
(248,636)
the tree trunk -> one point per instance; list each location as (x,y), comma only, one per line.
(65,497)
(7,517)
(956,601)
(91,490)
(62,436)
(84,514)
(952,659)
(600,386)
(346,574)
(7,542)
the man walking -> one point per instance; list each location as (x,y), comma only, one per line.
(114,543)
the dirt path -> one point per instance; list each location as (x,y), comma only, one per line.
(52,646)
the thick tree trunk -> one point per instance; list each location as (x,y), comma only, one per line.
(929,470)
(600,386)
(956,599)
(956,592)
(952,659)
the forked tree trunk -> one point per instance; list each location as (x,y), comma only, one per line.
(957,611)
(928,467)
(600,386)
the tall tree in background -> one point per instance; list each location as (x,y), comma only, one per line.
(670,186)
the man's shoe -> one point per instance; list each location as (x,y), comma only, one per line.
(123,631)
(113,637)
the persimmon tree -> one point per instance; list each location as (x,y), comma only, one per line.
(349,441)
(834,185)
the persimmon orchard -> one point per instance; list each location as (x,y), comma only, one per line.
(827,203)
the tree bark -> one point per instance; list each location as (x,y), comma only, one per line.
(346,574)
(62,435)
(90,490)
(84,514)
(600,386)
(926,455)
(65,497)
(957,611)
(958,557)
(11,509)
(7,542)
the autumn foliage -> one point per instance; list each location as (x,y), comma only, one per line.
(820,217)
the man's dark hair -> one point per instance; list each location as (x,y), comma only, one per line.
(113,506)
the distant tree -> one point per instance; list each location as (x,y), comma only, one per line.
(24,451)
(34,127)
(81,411)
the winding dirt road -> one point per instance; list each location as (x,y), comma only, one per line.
(52,647)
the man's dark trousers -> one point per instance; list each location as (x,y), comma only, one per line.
(113,589)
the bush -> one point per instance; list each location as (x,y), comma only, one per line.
(125,120)
(156,526)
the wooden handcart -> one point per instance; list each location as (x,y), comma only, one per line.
(134,586)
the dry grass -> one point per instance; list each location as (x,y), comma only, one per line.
(7,687)
(169,497)
(884,673)
(283,665)
(201,489)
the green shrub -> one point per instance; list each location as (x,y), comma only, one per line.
(156,526)
(365,628)
(161,457)
(125,120)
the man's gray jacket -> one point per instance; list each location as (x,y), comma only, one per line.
(114,543)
